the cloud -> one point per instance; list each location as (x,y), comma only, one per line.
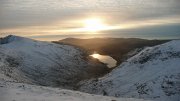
(28,13)
(168,31)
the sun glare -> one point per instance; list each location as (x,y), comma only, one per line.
(91,25)
(95,55)
(94,24)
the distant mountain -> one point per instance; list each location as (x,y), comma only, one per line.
(45,63)
(153,73)
(114,47)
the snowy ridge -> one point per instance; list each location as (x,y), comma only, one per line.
(43,63)
(154,73)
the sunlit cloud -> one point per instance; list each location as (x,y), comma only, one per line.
(67,17)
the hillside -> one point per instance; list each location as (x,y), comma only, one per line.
(44,63)
(12,91)
(153,73)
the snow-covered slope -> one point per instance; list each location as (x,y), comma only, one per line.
(11,91)
(43,63)
(24,61)
(153,73)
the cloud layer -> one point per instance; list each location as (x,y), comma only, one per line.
(58,14)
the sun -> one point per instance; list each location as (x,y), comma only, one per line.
(94,24)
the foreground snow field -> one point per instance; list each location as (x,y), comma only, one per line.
(11,91)
(154,74)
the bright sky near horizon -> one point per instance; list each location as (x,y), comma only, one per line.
(44,19)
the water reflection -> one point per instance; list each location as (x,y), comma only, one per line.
(105,59)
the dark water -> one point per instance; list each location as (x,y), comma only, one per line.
(105,59)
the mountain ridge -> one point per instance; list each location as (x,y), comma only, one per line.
(42,63)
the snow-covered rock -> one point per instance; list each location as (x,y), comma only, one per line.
(153,73)
(43,63)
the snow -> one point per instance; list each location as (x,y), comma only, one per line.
(25,65)
(153,73)
(10,91)
(43,63)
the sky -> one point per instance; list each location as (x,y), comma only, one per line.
(56,19)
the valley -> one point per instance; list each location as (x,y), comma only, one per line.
(117,48)
(147,70)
